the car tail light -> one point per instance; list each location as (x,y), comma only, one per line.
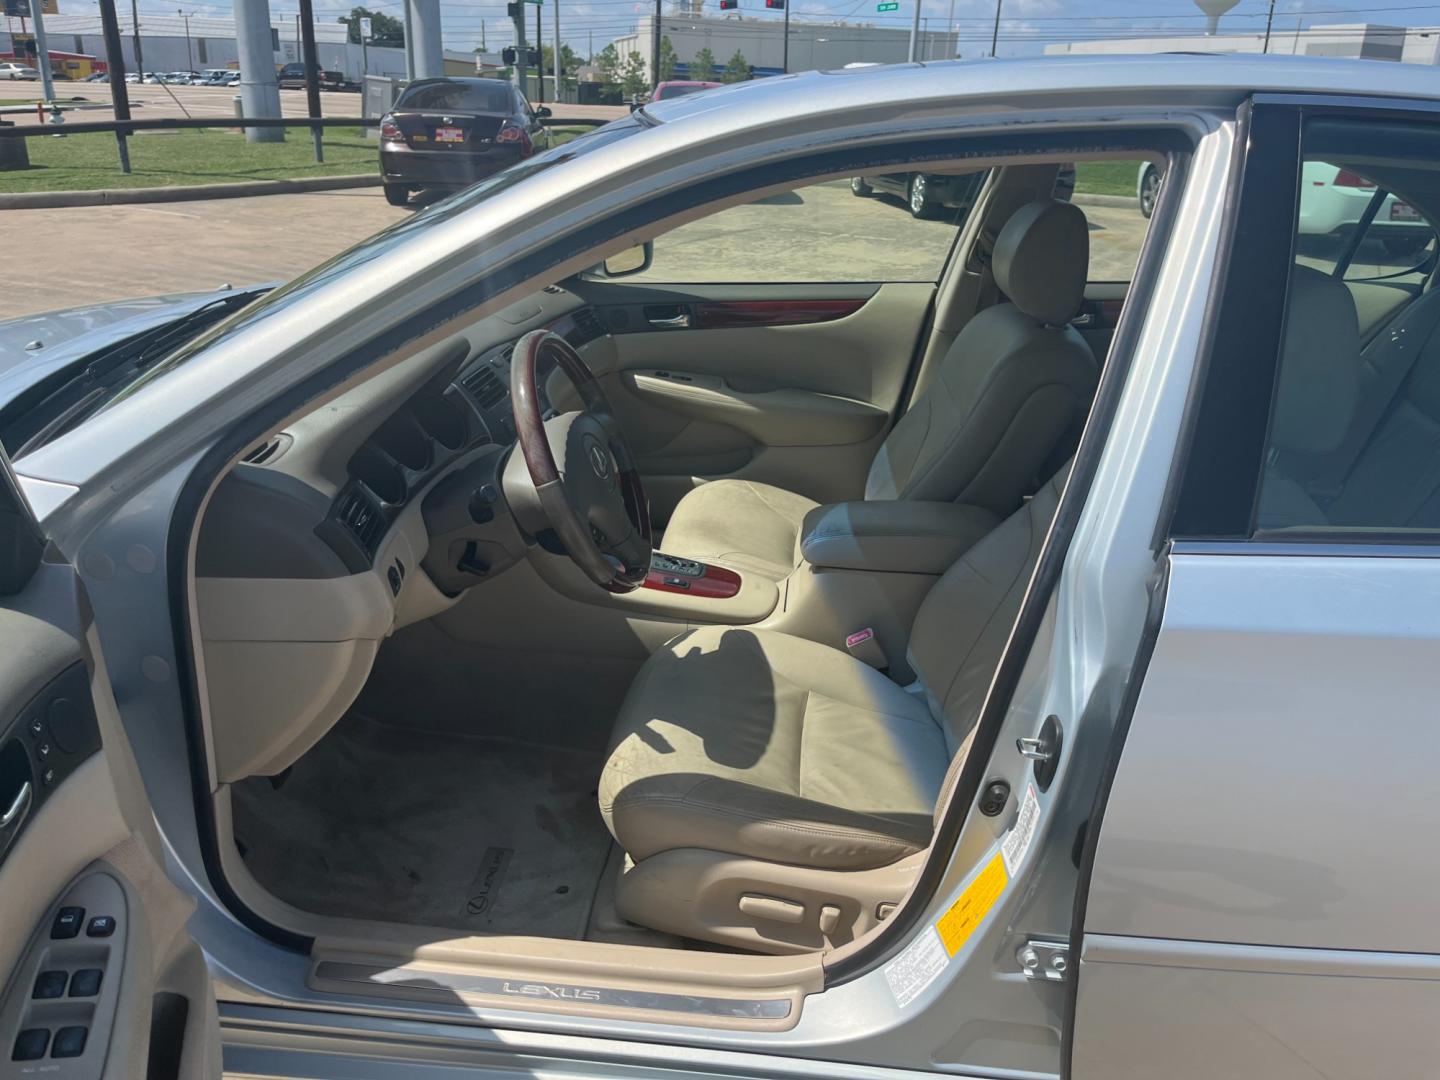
(1345,178)
(389,129)
(511,132)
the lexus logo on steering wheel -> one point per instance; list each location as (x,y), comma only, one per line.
(600,461)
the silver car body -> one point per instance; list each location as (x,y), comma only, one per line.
(1226,934)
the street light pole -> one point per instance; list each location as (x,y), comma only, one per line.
(1269,19)
(557,68)
(914,30)
(995,34)
(42,45)
(785,51)
(135,30)
(189,60)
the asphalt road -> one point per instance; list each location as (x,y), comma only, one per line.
(89,254)
(152,101)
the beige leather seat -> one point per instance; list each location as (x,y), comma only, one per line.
(769,789)
(1005,406)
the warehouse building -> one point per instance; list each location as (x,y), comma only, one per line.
(1359,41)
(822,46)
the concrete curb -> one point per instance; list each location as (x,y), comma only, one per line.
(1129,202)
(37,200)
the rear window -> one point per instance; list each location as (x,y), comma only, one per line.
(471,97)
(678,91)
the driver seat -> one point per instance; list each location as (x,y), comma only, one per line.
(1004,409)
(774,793)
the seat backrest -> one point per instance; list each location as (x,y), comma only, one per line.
(1014,387)
(964,621)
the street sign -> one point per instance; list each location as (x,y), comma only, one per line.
(535,2)
(892,6)
(365,30)
(18,9)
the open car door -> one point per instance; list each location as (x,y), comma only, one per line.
(100,977)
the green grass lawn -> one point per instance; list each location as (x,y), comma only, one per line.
(213,156)
(176,158)
(1106,177)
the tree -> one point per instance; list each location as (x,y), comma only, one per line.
(608,63)
(384,29)
(569,63)
(669,61)
(703,66)
(633,79)
(737,70)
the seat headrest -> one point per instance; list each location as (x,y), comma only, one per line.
(1319,381)
(1041,259)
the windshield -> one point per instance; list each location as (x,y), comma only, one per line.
(678,91)
(467,97)
(382,242)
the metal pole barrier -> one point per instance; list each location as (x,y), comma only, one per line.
(312,72)
(115,64)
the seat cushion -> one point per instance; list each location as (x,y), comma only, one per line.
(747,526)
(758,744)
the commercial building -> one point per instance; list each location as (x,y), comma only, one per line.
(1363,41)
(762,43)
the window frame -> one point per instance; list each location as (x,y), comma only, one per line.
(1216,482)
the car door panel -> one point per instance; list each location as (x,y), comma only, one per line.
(80,838)
(792,385)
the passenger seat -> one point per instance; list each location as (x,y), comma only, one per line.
(1006,406)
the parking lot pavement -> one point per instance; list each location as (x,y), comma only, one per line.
(92,254)
(150,101)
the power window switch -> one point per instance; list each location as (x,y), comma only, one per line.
(50,984)
(86,982)
(68,921)
(69,1042)
(30,1045)
(101,926)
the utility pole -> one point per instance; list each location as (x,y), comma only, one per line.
(115,62)
(135,30)
(482,37)
(540,57)
(785,48)
(189,60)
(558,66)
(517,19)
(409,43)
(655,50)
(995,34)
(1269,20)
(950,31)
(259,94)
(914,31)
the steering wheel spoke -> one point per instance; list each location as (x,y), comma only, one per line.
(582,469)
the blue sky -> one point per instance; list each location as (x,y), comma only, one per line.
(1026,25)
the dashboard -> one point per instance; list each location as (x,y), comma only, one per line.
(466,408)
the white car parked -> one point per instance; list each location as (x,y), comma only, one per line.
(18,71)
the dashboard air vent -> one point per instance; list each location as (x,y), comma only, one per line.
(588,326)
(268,452)
(361,516)
(485,386)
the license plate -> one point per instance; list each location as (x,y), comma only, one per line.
(449,134)
(1403,212)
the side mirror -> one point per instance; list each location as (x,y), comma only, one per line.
(543,113)
(635,260)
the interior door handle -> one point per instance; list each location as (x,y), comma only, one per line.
(17,807)
(676,322)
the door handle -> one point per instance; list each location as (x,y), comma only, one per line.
(17,807)
(675,322)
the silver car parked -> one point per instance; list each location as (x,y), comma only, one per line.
(647,614)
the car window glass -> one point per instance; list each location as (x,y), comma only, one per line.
(1117,206)
(839,230)
(1354,436)
(472,97)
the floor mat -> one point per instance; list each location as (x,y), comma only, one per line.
(483,834)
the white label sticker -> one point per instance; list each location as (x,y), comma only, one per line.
(1017,840)
(916,968)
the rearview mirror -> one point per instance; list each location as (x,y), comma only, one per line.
(633,260)
(543,112)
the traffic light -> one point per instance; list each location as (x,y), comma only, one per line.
(534,57)
(509,55)
(729,5)
(777,4)
(513,10)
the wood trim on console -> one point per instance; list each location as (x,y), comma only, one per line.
(732,314)
(717,583)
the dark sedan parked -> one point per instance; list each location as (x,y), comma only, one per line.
(448,133)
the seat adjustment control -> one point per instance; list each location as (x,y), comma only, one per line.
(772,908)
(829,919)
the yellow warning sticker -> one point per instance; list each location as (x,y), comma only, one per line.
(957,924)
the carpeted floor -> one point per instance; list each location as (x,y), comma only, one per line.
(484,834)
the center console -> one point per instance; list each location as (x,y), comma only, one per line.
(671,574)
